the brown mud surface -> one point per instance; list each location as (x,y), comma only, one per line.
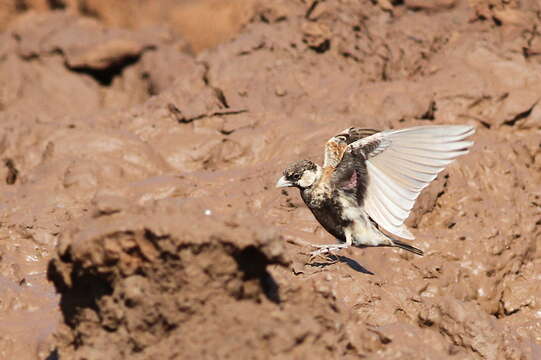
(140,143)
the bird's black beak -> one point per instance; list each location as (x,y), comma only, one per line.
(282,182)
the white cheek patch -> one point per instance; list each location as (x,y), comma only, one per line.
(308,178)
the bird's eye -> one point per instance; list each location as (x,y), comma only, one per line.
(341,137)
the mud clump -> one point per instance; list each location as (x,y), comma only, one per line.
(136,286)
(139,153)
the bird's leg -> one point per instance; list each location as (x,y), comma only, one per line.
(326,252)
(329,248)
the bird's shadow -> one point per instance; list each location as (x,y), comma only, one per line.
(343,259)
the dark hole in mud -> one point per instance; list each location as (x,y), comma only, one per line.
(323,47)
(86,289)
(105,76)
(253,263)
(426,322)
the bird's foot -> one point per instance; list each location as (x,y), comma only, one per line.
(326,251)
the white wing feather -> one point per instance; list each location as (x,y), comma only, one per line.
(404,163)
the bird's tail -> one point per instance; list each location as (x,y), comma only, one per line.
(408,247)
(391,241)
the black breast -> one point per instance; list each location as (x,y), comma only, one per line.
(329,215)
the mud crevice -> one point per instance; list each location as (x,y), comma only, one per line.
(13,173)
(87,287)
(520,116)
(430,113)
(177,114)
(322,47)
(311,8)
(223,105)
(219,93)
(105,76)
(253,264)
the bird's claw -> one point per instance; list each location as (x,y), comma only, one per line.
(325,252)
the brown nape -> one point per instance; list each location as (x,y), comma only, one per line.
(295,170)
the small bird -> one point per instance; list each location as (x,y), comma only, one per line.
(370,180)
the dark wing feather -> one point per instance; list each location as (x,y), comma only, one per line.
(353,134)
(336,146)
(351,174)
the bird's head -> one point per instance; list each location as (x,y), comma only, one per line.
(301,174)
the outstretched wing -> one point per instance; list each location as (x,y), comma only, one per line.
(336,146)
(399,164)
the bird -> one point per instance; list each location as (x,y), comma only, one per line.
(370,180)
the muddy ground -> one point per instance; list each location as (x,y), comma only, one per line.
(140,144)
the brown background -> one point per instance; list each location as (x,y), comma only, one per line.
(140,144)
